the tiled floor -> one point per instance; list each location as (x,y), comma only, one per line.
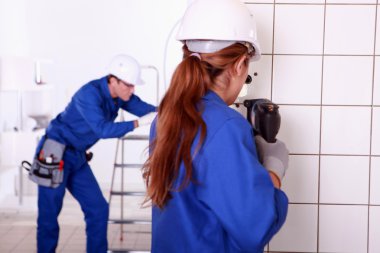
(18,227)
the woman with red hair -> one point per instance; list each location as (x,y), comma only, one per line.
(209,191)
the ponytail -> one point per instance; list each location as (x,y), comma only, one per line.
(180,120)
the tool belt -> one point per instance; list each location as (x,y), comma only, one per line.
(47,167)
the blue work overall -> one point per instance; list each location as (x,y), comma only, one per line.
(88,117)
(231,206)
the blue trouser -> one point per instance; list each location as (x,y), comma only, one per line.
(81,183)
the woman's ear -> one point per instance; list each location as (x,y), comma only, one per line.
(241,65)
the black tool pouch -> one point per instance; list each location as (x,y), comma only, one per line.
(47,167)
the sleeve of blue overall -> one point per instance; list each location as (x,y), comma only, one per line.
(137,107)
(89,105)
(238,189)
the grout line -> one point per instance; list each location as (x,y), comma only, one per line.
(67,242)
(276,251)
(272,70)
(330,55)
(333,204)
(322,154)
(328,105)
(320,124)
(316,4)
(371,130)
(19,241)
(273,38)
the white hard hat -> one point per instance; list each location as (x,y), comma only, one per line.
(211,25)
(126,68)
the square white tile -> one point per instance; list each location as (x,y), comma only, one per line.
(260,87)
(375,181)
(301,180)
(301,1)
(298,29)
(297,79)
(344,76)
(374,229)
(263,15)
(376,89)
(300,128)
(351,1)
(376,131)
(343,228)
(344,179)
(377,50)
(248,2)
(299,233)
(345,130)
(350,29)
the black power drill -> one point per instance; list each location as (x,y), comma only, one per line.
(264,117)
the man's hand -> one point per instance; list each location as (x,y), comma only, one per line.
(146,119)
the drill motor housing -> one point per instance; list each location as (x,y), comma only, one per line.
(264,117)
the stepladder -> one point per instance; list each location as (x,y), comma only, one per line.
(127,194)
(127,191)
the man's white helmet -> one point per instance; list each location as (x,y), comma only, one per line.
(126,68)
(211,25)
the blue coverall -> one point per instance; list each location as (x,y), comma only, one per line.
(232,205)
(88,117)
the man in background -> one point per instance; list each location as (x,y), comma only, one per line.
(87,118)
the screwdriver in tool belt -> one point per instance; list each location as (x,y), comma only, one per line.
(60,168)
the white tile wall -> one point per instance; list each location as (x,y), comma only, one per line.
(344,76)
(299,232)
(376,89)
(260,86)
(350,29)
(343,228)
(344,179)
(375,181)
(292,36)
(376,131)
(374,229)
(345,130)
(301,180)
(300,128)
(297,79)
(324,80)
(263,14)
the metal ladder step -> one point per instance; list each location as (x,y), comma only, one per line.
(128,165)
(135,137)
(130,193)
(129,221)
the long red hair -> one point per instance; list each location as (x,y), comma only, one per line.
(180,120)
